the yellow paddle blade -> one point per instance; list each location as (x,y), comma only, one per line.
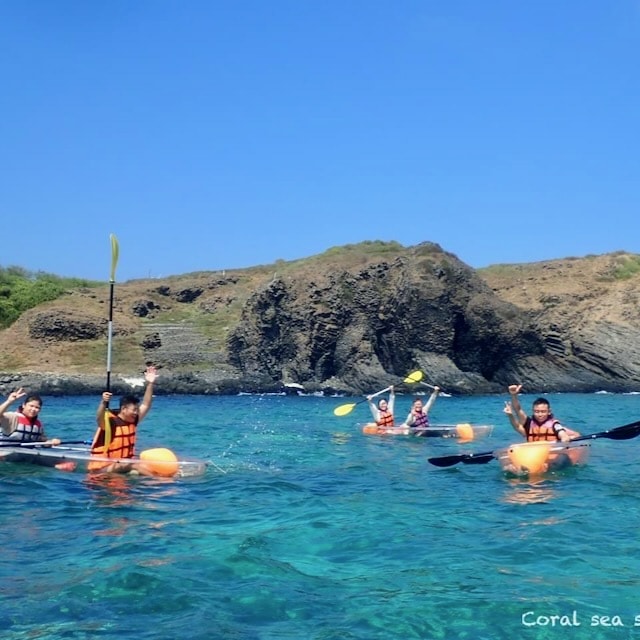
(416,376)
(115,252)
(344,409)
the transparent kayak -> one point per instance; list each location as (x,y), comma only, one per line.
(464,431)
(155,462)
(538,458)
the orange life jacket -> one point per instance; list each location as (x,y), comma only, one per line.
(542,432)
(123,438)
(385,419)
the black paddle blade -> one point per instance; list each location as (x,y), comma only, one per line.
(445,461)
(624,433)
(478,458)
(465,458)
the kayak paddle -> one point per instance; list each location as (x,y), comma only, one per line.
(345,409)
(41,444)
(625,432)
(115,252)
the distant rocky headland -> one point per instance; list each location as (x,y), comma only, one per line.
(351,320)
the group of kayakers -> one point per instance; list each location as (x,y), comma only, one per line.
(418,418)
(115,435)
(540,426)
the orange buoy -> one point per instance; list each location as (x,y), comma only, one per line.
(160,462)
(370,428)
(530,457)
(465,432)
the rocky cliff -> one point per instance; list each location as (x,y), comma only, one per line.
(352,319)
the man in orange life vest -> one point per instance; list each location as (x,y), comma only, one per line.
(23,425)
(541,426)
(123,425)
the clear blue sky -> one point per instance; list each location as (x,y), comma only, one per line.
(217,134)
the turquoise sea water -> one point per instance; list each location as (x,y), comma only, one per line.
(304,528)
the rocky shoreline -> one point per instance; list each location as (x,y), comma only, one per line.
(351,321)
(59,384)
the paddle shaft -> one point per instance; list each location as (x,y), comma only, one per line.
(41,444)
(115,250)
(110,336)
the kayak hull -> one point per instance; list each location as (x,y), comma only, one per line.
(537,458)
(464,431)
(156,463)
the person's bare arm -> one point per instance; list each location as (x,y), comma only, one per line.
(11,398)
(515,423)
(514,390)
(431,400)
(102,406)
(150,375)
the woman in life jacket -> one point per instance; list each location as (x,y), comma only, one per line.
(23,425)
(115,436)
(383,412)
(541,425)
(418,418)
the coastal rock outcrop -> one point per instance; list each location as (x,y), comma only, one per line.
(346,321)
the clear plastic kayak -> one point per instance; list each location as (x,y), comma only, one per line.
(538,458)
(155,462)
(464,431)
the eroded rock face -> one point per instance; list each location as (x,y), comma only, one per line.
(358,324)
(61,325)
(353,324)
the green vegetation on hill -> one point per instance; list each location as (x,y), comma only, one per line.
(626,266)
(21,290)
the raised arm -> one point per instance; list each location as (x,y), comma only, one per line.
(515,423)
(11,398)
(391,402)
(373,408)
(431,400)
(514,390)
(150,375)
(102,406)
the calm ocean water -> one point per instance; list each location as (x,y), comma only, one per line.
(304,528)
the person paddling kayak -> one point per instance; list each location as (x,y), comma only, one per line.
(418,418)
(541,425)
(535,456)
(115,436)
(383,413)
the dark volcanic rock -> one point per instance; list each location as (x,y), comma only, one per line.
(351,320)
(359,324)
(66,326)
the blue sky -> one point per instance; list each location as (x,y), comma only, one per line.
(221,134)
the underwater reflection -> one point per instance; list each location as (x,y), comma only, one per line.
(529,492)
(340,438)
(109,490)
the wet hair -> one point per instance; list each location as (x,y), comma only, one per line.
(127,400)
(538,401)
